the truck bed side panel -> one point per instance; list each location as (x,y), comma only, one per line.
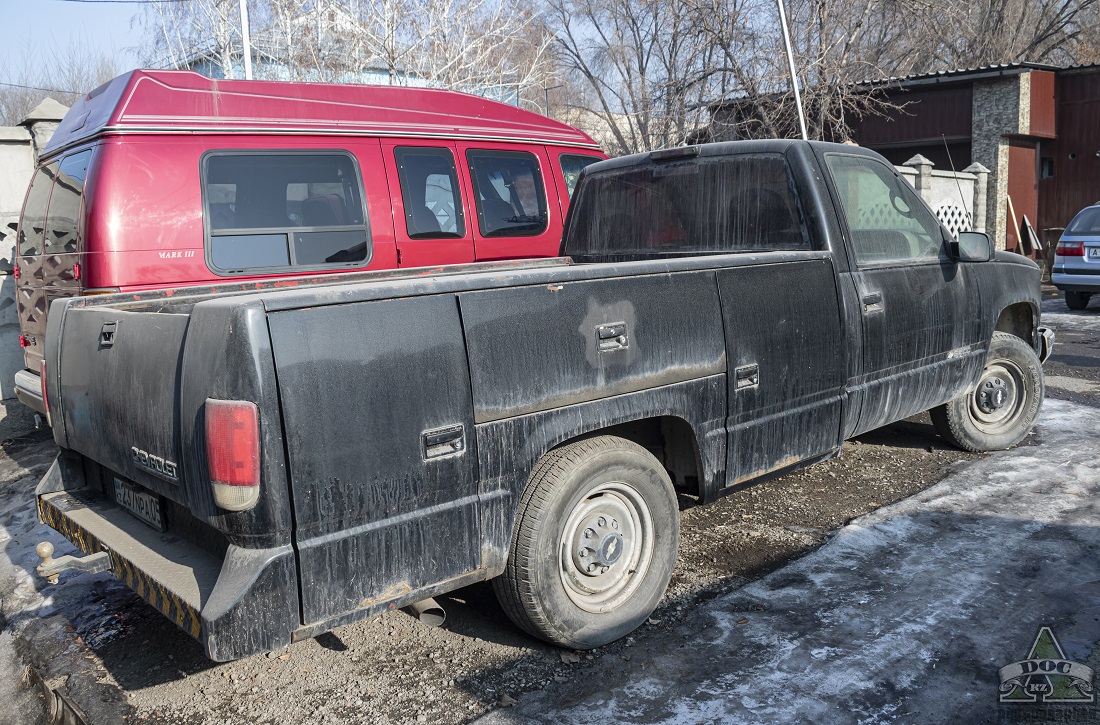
(377,413)
(540,347)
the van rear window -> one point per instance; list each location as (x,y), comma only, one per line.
(64,216)
(32,227)
(715,205)
(271,211)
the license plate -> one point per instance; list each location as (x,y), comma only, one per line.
(1094,253)
(145,506)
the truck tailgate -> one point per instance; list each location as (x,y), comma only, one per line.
(119,392)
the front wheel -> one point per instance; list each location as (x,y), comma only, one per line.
(1002,409)
(594,544)
(1077,300)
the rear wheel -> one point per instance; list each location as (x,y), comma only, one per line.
(1077,300)
(1001,410)
(594,544)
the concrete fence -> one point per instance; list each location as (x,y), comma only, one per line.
(957,198)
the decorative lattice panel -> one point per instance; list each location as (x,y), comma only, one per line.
(955,218)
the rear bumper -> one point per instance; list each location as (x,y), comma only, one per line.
(1073,280)
(28,389)
(243,604)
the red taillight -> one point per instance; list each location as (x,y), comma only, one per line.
(15,271)
(233,452)
(42,382)
(76,271)
(23,341)
(1070,249)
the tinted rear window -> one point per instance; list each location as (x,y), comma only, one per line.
(277,210)
(32,227)
(64,214)
(1086,222)
(714,205)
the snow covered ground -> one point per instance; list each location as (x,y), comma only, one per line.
(905,615)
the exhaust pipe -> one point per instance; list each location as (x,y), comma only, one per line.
(429,612)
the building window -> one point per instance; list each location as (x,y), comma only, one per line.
(1046,167)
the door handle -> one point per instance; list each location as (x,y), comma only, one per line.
(443,441)
(611,337)
(872,302)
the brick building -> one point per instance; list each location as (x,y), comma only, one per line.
(1035,127)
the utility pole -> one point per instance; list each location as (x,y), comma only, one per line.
(790,65)
(247,41)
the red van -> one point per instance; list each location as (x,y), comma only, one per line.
(164,179)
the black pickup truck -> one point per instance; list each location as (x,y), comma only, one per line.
(265,462)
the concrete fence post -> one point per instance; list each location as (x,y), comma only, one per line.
(981,191)
(923,182)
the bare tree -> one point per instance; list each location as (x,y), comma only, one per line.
(69,73)
(497,48)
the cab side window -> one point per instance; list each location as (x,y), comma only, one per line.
(509,193)
(886,219)
(429,190)
(269,211)
(571,167)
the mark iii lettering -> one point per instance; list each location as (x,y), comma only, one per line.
(160,466)
(185,254)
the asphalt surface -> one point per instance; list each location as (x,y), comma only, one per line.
(808,650)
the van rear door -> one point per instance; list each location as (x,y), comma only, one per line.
(51,247)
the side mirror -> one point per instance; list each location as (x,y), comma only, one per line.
(972,247)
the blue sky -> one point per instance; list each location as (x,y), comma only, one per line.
(37,28)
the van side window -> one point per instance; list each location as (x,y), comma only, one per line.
(508,190)
(64,212)
(571,167)
(429,188)
(887,222)
(265,211)
(709,205)
(32,230)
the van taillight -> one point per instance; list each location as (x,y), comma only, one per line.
(233,452)
(1070,249)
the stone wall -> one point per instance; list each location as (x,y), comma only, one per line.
(1000,108)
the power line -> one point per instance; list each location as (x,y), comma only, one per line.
(122,2)
(38,88)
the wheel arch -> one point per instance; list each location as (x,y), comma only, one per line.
(1020,319)
(682,425)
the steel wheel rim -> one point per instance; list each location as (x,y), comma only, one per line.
(998,401)
(606,547)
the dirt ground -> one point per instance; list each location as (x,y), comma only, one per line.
(394,669)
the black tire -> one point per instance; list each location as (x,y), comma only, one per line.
(559,587)
(1077,300)
(1002,408)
